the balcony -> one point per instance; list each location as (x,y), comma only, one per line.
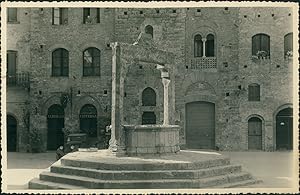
(203,63)
(18,80)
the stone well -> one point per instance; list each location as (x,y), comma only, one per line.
(151,139)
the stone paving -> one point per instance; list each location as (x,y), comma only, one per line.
(274,168)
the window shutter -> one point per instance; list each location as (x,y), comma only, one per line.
(56,16)
(12,14)
(254,92)
(63,15)
(265,44)
(11,63)
(255,44)
(98,15)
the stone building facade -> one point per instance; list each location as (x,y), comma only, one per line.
(233,74)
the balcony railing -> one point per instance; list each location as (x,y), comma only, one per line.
(19,79)
(204,63)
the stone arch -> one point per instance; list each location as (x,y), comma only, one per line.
(55,99)
(197,77)
(87,100)
(279,108)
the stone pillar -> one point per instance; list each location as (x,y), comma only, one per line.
(166,83)
(115,99)
(203,41)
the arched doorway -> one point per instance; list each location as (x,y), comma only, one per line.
(11,136)
(284,129)
(254,133)
(88,120)
(200,125)
(55,123)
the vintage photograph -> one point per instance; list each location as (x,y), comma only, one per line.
(161,97)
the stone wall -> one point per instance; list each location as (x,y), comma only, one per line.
(226,84)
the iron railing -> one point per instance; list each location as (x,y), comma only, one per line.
(18,79)
(203,63)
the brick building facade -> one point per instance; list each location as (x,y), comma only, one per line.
(233,74)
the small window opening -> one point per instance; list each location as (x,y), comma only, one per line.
(187,67)
(273,15)
(125,13)
(240,87)
(40,92)
(157,11)
(141,12)
(105,91)
(78,92)
(141,67)
(174,10)
(227,94)
(245,16)
(245,66)
(198,10)
(258,15)
(226,8)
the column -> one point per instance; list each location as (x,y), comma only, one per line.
(114,110)
(166,83)
(203,41)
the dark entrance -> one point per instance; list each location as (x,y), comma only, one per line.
(11,134)
(88,120)
(284,129)
(55,122)
(200,125)
(148,118)
(254,134)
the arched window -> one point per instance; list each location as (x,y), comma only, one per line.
(149,30)
(198,46)
(210,46)
(91,62)
(60,62)
(288,45)
(254,133)
(261,45)
(148,118)
(88,120)
(149,97)
(254,92)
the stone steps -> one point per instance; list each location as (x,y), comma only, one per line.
(149,175)
(41,184)
(144,165)
(93,183)
(101,170)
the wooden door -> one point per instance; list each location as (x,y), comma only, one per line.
(254,134)
(55,124)
(11,134)
(200,125)
(284,129)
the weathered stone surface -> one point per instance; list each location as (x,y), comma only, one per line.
(101,170)
(34,37)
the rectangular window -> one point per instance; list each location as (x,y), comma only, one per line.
(254,93)
(86,15)
(59,16)
(12,14)
(91,15)
(98,15)
(11,67)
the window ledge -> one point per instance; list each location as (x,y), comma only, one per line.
(14,22)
